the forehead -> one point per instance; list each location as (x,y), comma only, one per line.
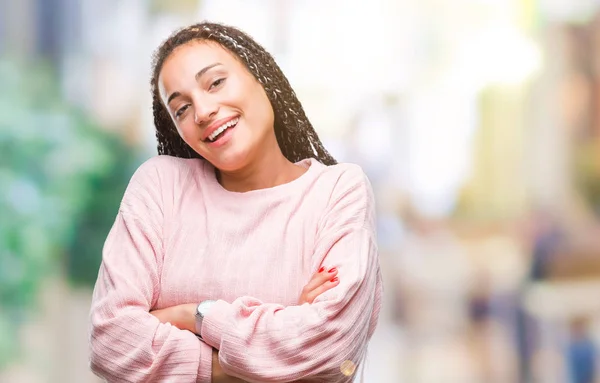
(186,60)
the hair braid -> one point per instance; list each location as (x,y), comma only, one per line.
(295,134)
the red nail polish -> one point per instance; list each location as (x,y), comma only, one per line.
(332,270)
(321,269)
(333,280)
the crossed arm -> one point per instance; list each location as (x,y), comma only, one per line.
(183,316)
(127,345)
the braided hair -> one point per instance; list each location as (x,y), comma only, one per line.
(296,137)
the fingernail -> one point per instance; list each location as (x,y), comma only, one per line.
(332,270)
(321,269)
(333,280)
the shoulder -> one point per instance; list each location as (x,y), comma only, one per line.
(350,190)
(156,178)
(348,178)
(161,170)
(168,165)
(349,172)
(350,201)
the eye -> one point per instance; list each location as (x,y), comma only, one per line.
(216,83)
(181,110)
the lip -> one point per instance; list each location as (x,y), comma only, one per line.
(223,140)
(216,125)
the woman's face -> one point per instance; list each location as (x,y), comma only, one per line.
(219,108)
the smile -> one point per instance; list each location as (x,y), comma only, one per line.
(221,130)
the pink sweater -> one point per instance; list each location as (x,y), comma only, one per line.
(180,237)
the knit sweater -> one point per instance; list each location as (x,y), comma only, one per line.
(180,237)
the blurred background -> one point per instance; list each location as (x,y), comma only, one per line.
(477,121)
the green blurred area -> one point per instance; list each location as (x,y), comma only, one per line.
(61,180)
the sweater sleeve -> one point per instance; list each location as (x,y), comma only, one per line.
(324,341)
(127,343)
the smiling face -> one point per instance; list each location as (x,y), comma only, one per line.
(219,109)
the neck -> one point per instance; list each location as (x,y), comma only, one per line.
(266,172)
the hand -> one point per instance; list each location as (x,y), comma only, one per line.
(321,281)
(181,316)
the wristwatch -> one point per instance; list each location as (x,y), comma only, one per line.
(201,311)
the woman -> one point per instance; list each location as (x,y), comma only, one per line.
(243,250)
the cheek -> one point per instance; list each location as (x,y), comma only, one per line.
(187,130)
(266,111)
(250,96)
(260,107)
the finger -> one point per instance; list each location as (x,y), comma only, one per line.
(312,295)
(319,278)
(315,280)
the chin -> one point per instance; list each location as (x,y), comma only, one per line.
(230,162)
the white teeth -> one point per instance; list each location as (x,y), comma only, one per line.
(222,128)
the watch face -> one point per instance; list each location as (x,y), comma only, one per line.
(201,311)
(203,308)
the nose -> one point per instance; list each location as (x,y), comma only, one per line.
(205,109)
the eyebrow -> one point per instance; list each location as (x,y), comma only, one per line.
(200,73)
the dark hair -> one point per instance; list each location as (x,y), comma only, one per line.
(295,134)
